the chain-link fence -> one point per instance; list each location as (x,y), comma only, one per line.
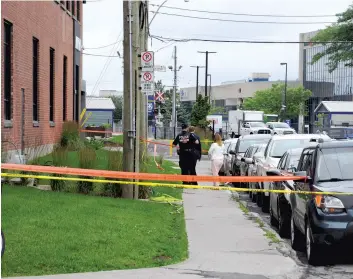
(163,132)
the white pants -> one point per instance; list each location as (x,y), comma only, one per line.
(216,165)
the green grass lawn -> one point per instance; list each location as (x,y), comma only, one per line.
(118,139)
(51,233)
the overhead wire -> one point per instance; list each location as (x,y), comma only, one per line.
(104,46)
(243,14)
(245,41)
(99,55)
(246,21)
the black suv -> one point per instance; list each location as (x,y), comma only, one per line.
(322,220)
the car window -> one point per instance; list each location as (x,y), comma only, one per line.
(232,146)
(280,146)
(307,164)
(257,124)
(226,146)
(267,148)
(282,162)
(335,163)
(246,155)
(292,162)
(245,143)
(281,125)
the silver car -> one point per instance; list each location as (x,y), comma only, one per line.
(227,159)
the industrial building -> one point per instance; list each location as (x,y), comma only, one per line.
(41,71)
(231,95)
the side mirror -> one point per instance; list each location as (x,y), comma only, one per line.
(273,172)
(232,152)
(249,161)
(303,174)
(242,159)
(258,155)
(292,169)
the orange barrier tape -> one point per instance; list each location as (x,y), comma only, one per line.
(144,176)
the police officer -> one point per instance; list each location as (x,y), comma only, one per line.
(197,151)
(187,142)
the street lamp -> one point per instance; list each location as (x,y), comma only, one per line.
(206,64)
(284,105)
(197,78)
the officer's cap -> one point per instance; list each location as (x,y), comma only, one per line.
(184,126)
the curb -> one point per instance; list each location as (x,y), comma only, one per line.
(283,247)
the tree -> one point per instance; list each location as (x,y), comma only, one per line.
(118,112)
(184,112)
(200,111)
(341,34)
(270,100)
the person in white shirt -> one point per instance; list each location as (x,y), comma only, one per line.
(216,155)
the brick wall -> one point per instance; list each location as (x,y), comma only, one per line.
(53,27)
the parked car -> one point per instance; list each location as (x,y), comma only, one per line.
(252,162)
(227,159)
(227,143)
(280,128)
(274,151)
(321,220)
(242,145)
(280,203)
(250,128)
(244,165)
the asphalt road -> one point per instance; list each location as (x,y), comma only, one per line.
(338,265)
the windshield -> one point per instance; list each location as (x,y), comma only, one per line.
(257,124)
(294,161)
(246,143)
(281,125)
(335,163)
(279,147)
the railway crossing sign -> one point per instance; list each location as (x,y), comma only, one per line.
(147,61)
(159,96)
(147,83)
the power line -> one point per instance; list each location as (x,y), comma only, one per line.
(99,55)
(242,14)
(101,46)
(245,41)
(243,21)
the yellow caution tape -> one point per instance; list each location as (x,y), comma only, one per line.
(171,185)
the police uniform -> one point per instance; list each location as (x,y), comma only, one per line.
(187,159)
(197,155)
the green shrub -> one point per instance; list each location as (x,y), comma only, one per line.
(94,143)
(115,163)
(87,160)
(60,158)
(106,126)
(70,136)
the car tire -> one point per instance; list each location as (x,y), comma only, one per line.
(253,197)
(259,199)
(265,206)
(283,222)
(297,242)
(273,220)
(312,249)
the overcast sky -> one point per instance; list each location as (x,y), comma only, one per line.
(103,23)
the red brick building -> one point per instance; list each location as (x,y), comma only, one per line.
(41,54)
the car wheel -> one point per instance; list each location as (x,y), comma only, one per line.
(312,249)
(265,206)
(259,198)
(273,220)
(253,197)
(283,222)
(296,238)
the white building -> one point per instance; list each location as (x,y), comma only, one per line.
(109,93)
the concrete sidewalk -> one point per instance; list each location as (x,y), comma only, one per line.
(223,243)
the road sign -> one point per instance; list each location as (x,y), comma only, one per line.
(147,61)
(159,96)
(147,83)
(160,68)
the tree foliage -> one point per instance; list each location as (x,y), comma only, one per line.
(341,34)
(184,112)
(200,111)
(270,100)
(118,112)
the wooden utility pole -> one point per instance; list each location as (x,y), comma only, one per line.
(129,100)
